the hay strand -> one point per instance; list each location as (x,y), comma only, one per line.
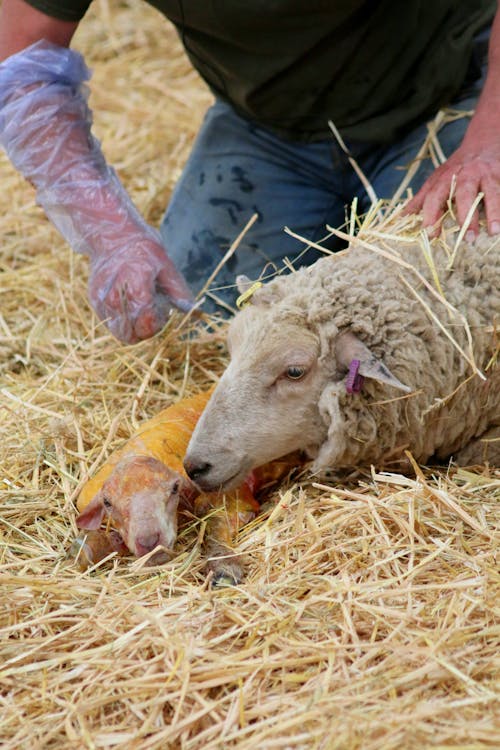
(369,617)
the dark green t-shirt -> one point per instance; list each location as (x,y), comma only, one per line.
(373,67)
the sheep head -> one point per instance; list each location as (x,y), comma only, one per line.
(140,498)
(267,403)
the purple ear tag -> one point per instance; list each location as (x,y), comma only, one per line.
(354,381)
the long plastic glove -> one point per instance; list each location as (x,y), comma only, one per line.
(45,127)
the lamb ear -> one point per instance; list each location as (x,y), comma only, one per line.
(92,515)
(349,347)
(185,490)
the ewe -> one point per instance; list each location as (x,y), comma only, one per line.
(358,358)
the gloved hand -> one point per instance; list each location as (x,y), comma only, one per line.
(45,128)
(134,289)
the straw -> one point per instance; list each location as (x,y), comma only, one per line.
(368,619)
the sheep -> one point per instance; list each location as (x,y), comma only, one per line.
(140,498)
(358,358)
(91,547)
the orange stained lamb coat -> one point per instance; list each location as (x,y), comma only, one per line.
(165,437)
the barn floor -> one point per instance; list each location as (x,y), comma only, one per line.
(369,619)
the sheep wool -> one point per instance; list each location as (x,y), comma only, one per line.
(376,299)
(425,316)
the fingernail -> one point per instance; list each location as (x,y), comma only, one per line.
(495,227)
(470,236)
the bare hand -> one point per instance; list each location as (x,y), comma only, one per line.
(135,290)
(475,169)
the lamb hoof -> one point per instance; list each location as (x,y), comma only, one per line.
(223,579)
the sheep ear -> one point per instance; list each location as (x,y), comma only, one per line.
(255,292)
(349,347)
(92,516)
(243,283)
(251,292)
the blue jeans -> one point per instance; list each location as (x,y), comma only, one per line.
(237,168)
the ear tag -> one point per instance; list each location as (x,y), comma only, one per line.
(245,298)
(354,381)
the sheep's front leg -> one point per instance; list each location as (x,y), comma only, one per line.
(481,450)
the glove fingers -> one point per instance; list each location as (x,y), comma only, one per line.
(170,282)
(147,323)
(149,319)
(129,305)
(136,299)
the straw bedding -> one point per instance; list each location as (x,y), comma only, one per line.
(369,618)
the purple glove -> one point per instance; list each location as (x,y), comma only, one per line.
(45,127)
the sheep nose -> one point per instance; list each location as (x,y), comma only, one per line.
(146,543)
(196,470)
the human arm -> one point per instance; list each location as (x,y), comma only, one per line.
(475,165)
(22,25)
(45,128)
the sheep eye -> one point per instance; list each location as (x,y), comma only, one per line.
(175,487)
(106,502)
(295,372)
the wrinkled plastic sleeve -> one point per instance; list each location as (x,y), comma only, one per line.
(45,128)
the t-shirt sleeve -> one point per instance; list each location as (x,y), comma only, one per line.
(64,11)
